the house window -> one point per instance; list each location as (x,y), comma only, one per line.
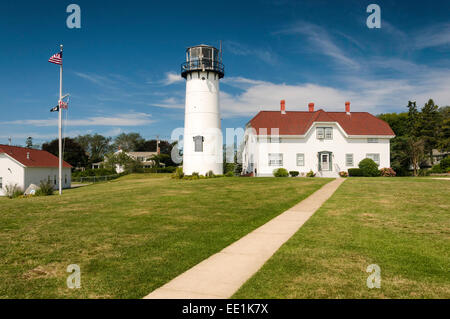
(54,180)
(275,159)
(65,179)
(320,132)
(300,159)
(348,159)
(372,140)
(1,182)
(324,133)
(198,141)
(375,157)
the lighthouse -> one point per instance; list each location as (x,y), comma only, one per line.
(202,150)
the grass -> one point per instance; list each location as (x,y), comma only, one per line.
(131,235)
(400,224)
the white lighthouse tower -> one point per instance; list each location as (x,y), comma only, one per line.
(202,150)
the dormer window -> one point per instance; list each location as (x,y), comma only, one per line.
(324,133)
(198,142)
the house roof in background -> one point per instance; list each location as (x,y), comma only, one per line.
(36,158)
(299,122)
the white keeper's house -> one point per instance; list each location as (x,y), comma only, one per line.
(319,141)
(24,166)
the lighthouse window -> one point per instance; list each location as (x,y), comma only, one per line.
(198,141)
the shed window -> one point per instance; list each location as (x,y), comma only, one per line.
(198,141)
(1,182)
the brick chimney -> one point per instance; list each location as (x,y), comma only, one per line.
(347,108)
(311,107)
(283,106)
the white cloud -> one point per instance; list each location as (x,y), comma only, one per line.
(126,119)
(366,95)
(244,50)
(170,103)
(433,36)
(321,42)
(171,78)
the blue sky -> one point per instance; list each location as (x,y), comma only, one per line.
(122,66)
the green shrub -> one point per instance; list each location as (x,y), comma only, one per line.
(387,172)
(354,172)
(294,173)
(445,164)
(178,174)
(210,174)
(369,168)
(280,172)
(45,189)
(424,172)
(229,167)
(436,169)
(229,174)
(310,174)
(13,191)
(195,174)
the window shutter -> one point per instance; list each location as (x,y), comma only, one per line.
(318,158)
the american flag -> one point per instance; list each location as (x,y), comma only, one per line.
(63,105)
(56,58)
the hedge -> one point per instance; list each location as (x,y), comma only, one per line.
(354,172)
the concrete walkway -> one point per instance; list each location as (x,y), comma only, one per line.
(222,274)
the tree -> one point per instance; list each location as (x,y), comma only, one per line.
(129,142)
(429,127)
(73,154)
(400,161)
(165,147)
(121,159)
(413,119)
(444,136)
(415,149)
(96,146)
(397,121)
(29,142)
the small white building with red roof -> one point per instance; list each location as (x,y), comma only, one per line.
(314,140)
(25,166)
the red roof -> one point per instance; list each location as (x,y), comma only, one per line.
(36,158)
(298,122)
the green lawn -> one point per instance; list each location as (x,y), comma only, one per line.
(133,234)
(401,224)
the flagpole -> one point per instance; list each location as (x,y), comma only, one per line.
(60,124)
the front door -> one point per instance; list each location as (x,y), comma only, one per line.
(324,161)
